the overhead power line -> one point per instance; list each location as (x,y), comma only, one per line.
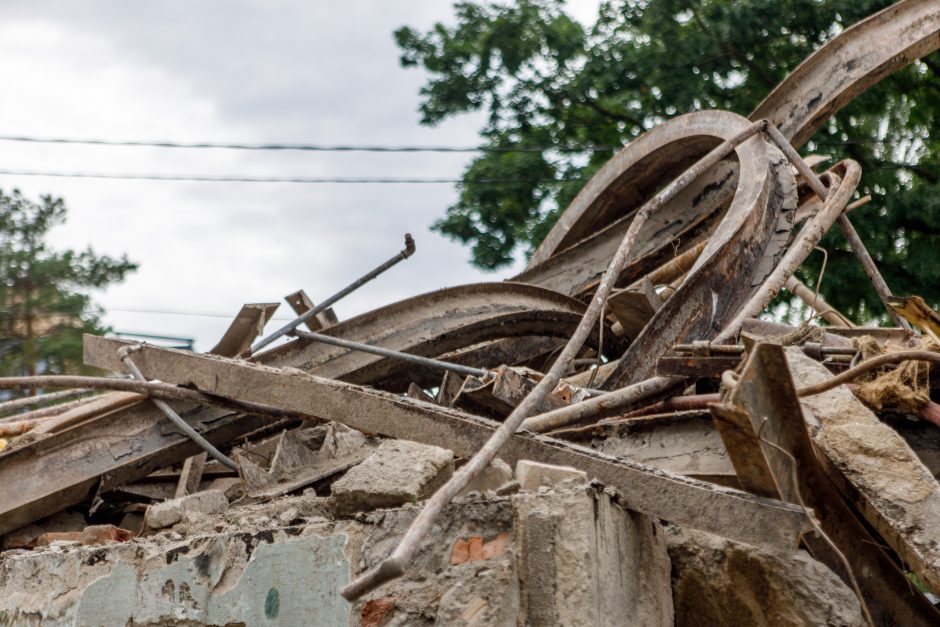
(343,147)
(277,179)
(301,147)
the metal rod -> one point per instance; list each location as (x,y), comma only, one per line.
(185,427)
(144,388)
(816,302)
(46,412)
(42,398)
(868,265)
(855,242)
(737,349)
(387,352)
(396,564)
(299,320)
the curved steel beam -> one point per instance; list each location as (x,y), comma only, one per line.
(848,64)
(577,269)
(432,325)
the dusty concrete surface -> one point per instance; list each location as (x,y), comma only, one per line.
(572,556)
(893,489)
(720,582)
(398,472)
(170,512)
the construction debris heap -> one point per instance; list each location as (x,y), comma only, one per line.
(611,437)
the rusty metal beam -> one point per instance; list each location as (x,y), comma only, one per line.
(848,64)
(431,325)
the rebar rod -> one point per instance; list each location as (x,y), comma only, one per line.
(18,403)
(144,388)
(392,354)
(46,412)
(307,315)
(395,565)
(851,235)
(868,265)
(125,355)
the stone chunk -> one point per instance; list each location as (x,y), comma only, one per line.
(170,512)
(532,475)
(719,582)
(398,472)
(496,474)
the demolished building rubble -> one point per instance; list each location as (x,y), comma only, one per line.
(611,437)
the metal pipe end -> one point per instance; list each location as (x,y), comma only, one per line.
(409,246)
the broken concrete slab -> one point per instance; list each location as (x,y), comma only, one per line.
(534,475)
(719,582)
(170,512)
(398,472)
(875,468)
(278,563)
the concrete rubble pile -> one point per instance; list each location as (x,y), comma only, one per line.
(611,437)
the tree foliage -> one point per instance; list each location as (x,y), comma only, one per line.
(44,303)
(544,80)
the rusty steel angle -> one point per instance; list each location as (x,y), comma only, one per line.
(248,324)
(699,505)
(730,268)
(765,433)
(432,325)
(576,269)
(848,64)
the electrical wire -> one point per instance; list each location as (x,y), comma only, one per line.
(202,145)
(276,179)
(302,147)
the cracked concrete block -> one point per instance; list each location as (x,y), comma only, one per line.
(584,560)
(496,474)
(398,472)
(720,582)
(532,475)
(170,512)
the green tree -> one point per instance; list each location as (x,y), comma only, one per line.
(544,80)
(44,304)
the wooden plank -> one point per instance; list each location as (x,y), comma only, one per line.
(765,434)
(723,511)
(191,475)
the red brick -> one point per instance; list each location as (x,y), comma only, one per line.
(374,612)
(475,545)
(461,552)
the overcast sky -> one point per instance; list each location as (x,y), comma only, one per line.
(234,71)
